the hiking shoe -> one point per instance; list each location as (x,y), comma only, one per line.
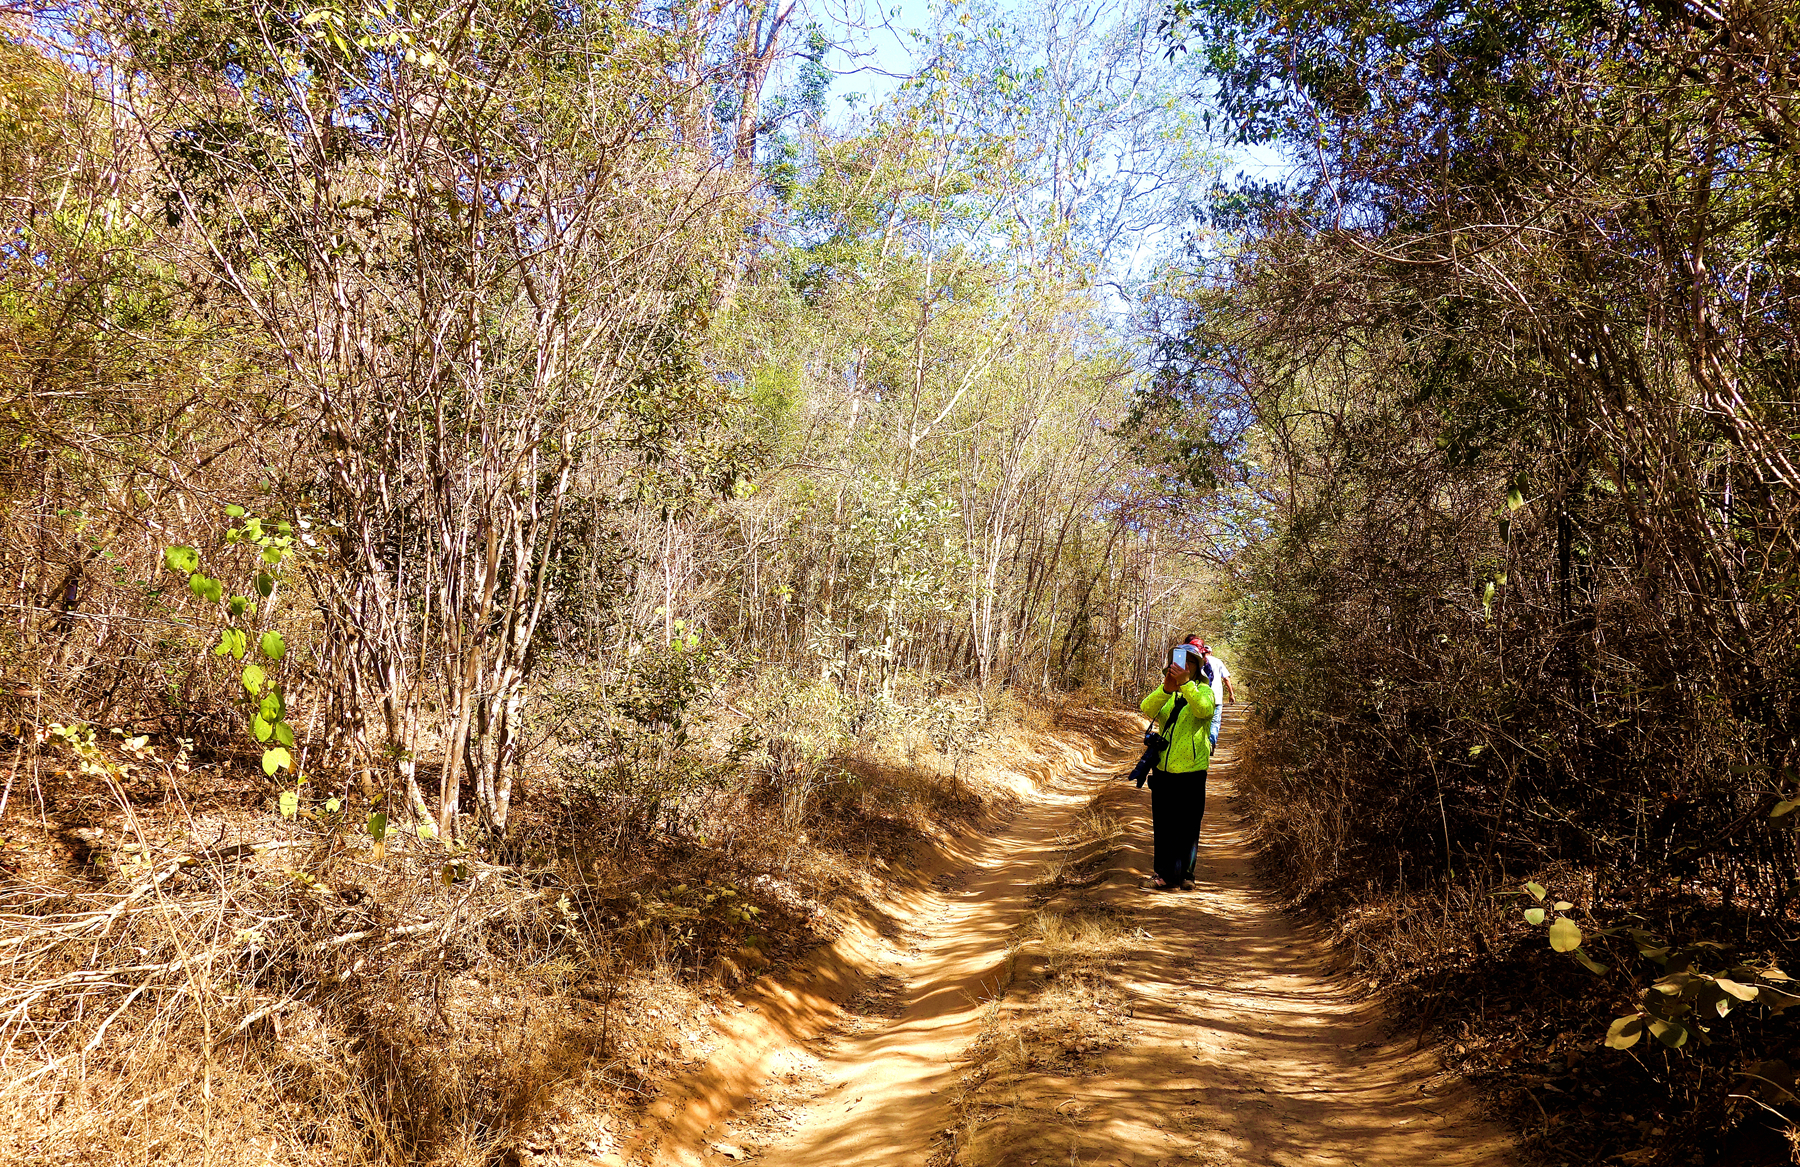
(1187,885)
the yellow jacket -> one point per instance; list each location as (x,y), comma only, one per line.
(1188,751)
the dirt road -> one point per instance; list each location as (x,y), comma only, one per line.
(1239,1047)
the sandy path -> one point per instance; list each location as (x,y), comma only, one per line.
(1242,1048)
(887,1090)
(1245,1050)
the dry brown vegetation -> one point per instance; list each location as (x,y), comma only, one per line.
(1458,967)
(1521,596)
(299,996)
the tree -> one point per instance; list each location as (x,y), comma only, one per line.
(483,260)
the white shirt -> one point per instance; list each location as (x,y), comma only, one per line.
(1220,672)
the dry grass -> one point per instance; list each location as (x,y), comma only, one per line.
(288,996)
(305,997)
(1092,838)
(290,1002)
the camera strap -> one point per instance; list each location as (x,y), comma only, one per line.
(1168,727)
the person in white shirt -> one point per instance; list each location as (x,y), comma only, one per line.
(1220,679)
(1221,687)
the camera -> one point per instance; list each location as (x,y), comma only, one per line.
(1154,744)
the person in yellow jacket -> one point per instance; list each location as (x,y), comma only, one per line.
(1182,710)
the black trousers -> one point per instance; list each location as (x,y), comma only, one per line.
(1177,803)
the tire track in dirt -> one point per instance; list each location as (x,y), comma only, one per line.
(888,1090)
(871,1025)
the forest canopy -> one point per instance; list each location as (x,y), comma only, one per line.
(523,338)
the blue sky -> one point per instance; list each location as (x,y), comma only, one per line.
(876,51)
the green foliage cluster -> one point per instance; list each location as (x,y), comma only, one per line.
(1682,998)
(264,694)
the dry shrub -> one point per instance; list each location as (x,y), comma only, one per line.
(1298,822)
(297,999)
(867,778)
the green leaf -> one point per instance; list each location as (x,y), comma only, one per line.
(254,678)
(1785,808)
(290,803)
(272,707)
(1671,1033)
(1565,936)
(284,734)
(1741,992)
(210,590)
(182,559)
(272,555)
(1537,891)
(262,729)
(1675,984)
(235,511)
(276,758)
(378,826)
(427,830)
(1514,499)
(265,584)
(332,805)
(272,645)
(1534,916)
(1590,963)
(240,605)
(1563,905)
(1625,1032)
